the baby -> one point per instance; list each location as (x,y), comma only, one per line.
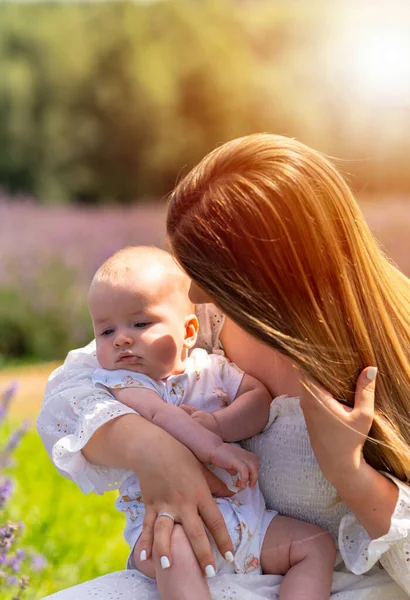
(145,329)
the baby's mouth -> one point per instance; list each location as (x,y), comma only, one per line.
(130,359)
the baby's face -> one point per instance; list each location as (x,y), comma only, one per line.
(138,329)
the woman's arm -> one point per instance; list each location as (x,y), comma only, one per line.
(206,445)
(337,434)
(82,427)
(378,527)
(370,496)
(171,479)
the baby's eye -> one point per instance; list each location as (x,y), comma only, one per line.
(141,325)
(107,331)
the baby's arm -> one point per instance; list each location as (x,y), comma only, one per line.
(244,417)
(206,445)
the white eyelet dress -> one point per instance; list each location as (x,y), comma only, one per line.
(289,478)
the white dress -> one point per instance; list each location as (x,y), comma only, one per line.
(290,480)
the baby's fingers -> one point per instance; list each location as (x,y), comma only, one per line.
(243,473)
(253,472)
(188,409)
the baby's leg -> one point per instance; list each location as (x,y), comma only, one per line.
(184,579)
(305,554)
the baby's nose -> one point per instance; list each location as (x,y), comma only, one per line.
(122,340)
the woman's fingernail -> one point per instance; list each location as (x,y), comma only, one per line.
(371,373)
(210,571)
(229,556)
(165,564)
(143,555)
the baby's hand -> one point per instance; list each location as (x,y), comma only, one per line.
(208,421)
(236,460)
(188,409)
(205,419)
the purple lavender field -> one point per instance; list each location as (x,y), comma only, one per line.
(48,257)
(49,254)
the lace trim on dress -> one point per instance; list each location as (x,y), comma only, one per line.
(360,552)
(68,458)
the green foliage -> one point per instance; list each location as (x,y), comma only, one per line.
(103,102)
(109,101)
(80,536)
(13,321)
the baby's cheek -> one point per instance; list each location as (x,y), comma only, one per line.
(164,349)
(104,356)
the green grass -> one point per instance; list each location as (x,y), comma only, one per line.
(80,536)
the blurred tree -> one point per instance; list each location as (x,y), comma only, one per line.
(111,102)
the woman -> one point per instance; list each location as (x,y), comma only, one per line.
(269,231)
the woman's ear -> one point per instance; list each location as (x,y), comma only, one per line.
(191,331)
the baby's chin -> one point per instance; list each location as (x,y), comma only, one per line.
(127,366)
(123,365)
(106,364)
(150,371)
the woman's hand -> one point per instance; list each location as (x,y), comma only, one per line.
(337,432)
(173,481)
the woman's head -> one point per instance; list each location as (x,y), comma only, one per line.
(271,231)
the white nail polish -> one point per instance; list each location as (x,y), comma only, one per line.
(210,571)
(143,555)
(229,556)
(371,373)
(165,564)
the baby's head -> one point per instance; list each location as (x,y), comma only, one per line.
(142,317)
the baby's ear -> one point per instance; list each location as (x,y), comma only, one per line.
(191,331)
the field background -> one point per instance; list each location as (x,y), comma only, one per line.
(103,107)
(80,537)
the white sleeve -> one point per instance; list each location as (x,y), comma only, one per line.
(360,552)
(73,409)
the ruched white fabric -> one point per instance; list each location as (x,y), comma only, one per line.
(290,480)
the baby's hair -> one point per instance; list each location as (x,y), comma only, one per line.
(119,268)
